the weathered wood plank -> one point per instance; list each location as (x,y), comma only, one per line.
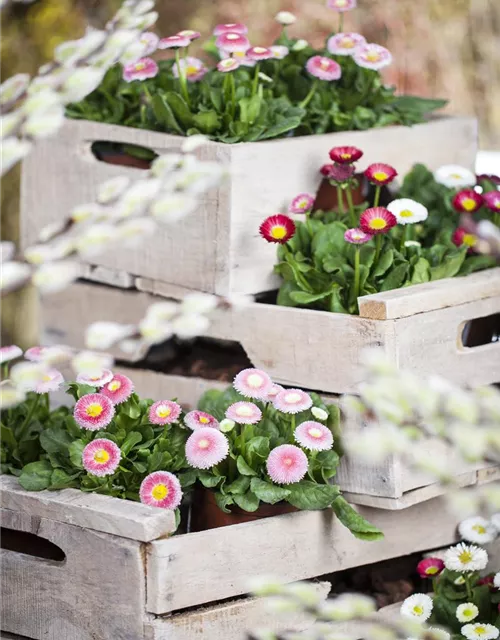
(93,511)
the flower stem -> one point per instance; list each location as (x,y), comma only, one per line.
(233,94)
(182,77)
(403,238)
(292,424)
(255,82)
(467,586)
(5,371)
(307,99)
(376,200)
(352,213)
(28,417)
(308,223)
(341,22)
(356,275)
(340,200)
(378,246)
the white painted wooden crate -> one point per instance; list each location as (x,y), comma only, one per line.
(218,248)
(126,578)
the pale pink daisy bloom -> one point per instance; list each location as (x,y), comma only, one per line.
(323,68)
(193,68)
(314,436)
(244,413)
(200,419)
(51,381)
(95,381)
(259,53)
(273,391)
(232,42)
(230,27)
(206,447)
(372,56)
(35,354)
(279,51)
(141,70)
(253,383)
(150,40)
(303,203)
(161,489)
(357,236)
(101,457)
(228,64)
(93,411)
(118,389)
(190,34)
(341,5)
(10,352)
(292,401)
(164,412)
(287,464)
(345,44)
(174,42)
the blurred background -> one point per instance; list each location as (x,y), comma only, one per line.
(441,48)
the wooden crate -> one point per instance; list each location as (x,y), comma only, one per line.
(218,248)
(125,577)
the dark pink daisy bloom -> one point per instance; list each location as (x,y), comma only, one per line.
(341,172)
(345,155)
(259,53)
(467,201)
(313,436)
(101,457)
(377,220)
(278,228)
(161,489)
(188,33)
(430,567)
(174,42)
(10,352)
(94,411)
(244,413)
(303,203)
(253,383)
(345,44)
(380,173)
(356,236)
(324,68)
(206,447)
(461,237)
(232,42)
(119,389)
(141,70)
(95,381)
(200,419)
(230,27)
(292,401)
(52,379)
(341,5)
(287,464)
(164,412)
(325,170)
(492,200)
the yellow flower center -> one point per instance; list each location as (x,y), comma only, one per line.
(457,176)
(480,631)
(101,456)
(406,213)
(237,54)
(292,398)
(432,571)
(46,378)
(186,33)
(140,66)
(465,557)
(287,461)
(204,420)
(468,613)
(159,492)
(345,156)
(259,50)
(163,411)
(373,56)
(479,528)
(380,175)
(341,3)
(244,411)
(347,43)
(255,381)
(314,432)
(468,204)
(278,232)
(203,444)
(115,385)
(94,410)
(191,70)
(377,223)
(469,239)
(232,36)
(418,610)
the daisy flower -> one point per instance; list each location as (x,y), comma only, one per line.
(292,401)
(377,220)
(455,176)
(141,70)
(51,381)
(356,236)
(417,607)
(253,383)
(279,51)
(164,412)
(230,27)
(228,64)
(278,228)
(118,389)
(199,419)
(10,353)
(380,173)
(408,211)
(286,18)
(478,530)
(303,203)
(190,34)
(492,200)
(466,612)
(323,68)
(10,396)
(273,392)
(174,42)
(467,201)
(287,464)
(438,634)
(372,56)
(192,67)
(150,41)
(101,457)
(259,53)
(480,631)
(161,489)
(345,44)
(465,558)
(430,567)
(206,447)
(461,237)
(341,5)
(232,42)
(340,173)
(345,155)
(94,411)
(313,436)
(35,354)
(244,413)
(95,381)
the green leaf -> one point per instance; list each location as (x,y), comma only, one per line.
(187,478)
(302,297)
(384,263)
(355,522)
(164,114)
(239,486)
(328,459)
(288,124)
(180,109)
(210,481)
(395,277)
(55,440)
(250,109)
(7,437)
(207,121)
(248,501)
(75,453)
(450,266)
(268,492)
(311,495)
(244,468)
(133,438)
(421,272)
(257,446)
(62,480)
(223,501)
(36,476)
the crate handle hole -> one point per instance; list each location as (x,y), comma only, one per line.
(480,331)
(122,154)
(31,545)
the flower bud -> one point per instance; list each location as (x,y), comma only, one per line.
(300,45)
(285,18)
(227,425)
(319,414)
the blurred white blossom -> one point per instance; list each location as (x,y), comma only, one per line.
(103,335)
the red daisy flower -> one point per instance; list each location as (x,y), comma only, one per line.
(467,201)
(377,220)
(278,228)
(325,170)
(492,200)
(345,155)
(380,173)
(462,237)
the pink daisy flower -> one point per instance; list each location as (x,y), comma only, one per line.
(492,200)
(345,155)
(101,457)
(356,236)
(164,412)
(259,53)
(303,203)
(323,68)
(253,383)
(192,67)
(430,567)
(95,381)
(463,238)
(244,413)
(340,173)
(228,64)
(161,489)
(314,436)
(118,389)
(10,353)
(190,34)
(292,401)
(199,419)
(278,228)
(279,51)
(150,40)
(273,392)
(230,27)
(232,42)
(341,5)
(141,70)
(372,56)
(94,411)
(345,44)
(467,201)
(377,220)
(174,42)
(35,354)
(206,447)
(380,173)
(51,381)
(287,464)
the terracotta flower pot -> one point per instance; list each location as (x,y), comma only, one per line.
(327,200)
(206,514)
(124,159)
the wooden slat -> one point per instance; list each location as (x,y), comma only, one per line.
(298,546)
(93,511)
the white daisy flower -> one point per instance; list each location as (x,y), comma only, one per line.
(319,414)
(13,275)
(170,207)
(80,83)
(193,142)
(466,612)
(455,176)
(478,530)
(133,232)
(480,631)
(408,211)
(496,580)
(10,396)
(417,607)
(103,335)
(198,302)
(155,332)
(55,276)
(285,18)
(300,45)
(190,325)
(27,375)
(435,633)
(465,558)
(162,311)
(96,239)
(91,363)
(112,189)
